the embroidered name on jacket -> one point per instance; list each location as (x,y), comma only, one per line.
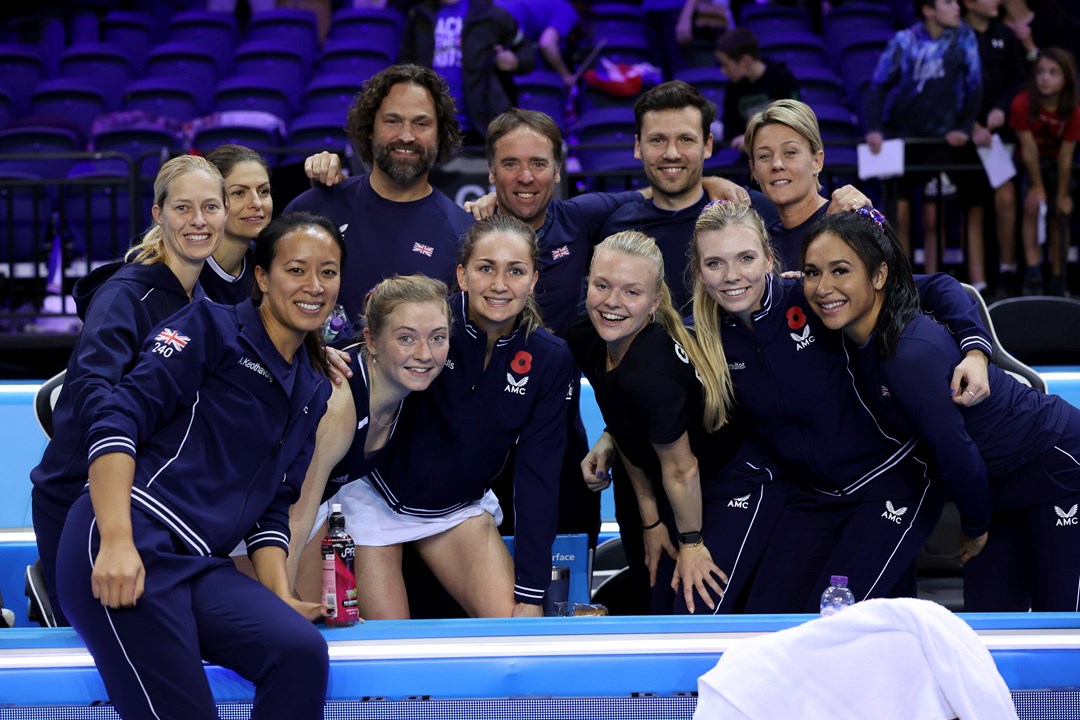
(253,365)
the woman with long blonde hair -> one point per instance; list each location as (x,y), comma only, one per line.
(668,407)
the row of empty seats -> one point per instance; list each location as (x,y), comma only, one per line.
(198,65)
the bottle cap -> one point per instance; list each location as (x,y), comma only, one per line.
(838,580)
(560,572)
(336,507)
(336,323)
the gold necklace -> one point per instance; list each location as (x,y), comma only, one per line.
(393,422)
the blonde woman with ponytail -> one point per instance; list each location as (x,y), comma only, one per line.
(120,303)
(668,407)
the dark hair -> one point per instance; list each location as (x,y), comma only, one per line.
(920,4)
(738,42)
(674,95)
(228,156)
(360,123)
(515,118)
(1067,99)
(876,244)
(531,317)
(266,245)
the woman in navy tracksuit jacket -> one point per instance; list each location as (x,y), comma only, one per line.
(862,504)
(1017,453)
(120,303)
(229,273)
(666,404)
(505,387)
(203,444)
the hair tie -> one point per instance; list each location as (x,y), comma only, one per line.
(712,204)
(873,215)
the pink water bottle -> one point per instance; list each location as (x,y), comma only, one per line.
(339,578)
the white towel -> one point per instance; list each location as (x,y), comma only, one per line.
(902,659)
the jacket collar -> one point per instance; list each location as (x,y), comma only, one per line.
(462,311)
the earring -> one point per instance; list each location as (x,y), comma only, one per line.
(652,317)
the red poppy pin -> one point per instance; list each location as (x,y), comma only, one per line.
(796,318)
(522,362)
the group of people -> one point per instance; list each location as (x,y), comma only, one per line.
(963,73)
(210,418)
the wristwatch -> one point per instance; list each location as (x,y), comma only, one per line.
(690,538)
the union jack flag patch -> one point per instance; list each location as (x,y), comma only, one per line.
(171,337)
(560,252)
(422,249)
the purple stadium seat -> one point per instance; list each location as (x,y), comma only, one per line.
(103,65)
(383,26)
(288,66)
(163,96)
(544,92)
(360,57)
(214,31)
(133,32)
(21,69)
(75,99)
(609,126)
(291,28)
(317,131)
(254,92)
(146,147)
(189,63)
(331,93)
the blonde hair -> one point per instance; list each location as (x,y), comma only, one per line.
(397,290)
(794,114)
(150,249)
(713,218)
(711,369)
(531,316)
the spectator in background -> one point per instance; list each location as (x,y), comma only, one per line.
(475,46)
(549,25)
(703,19)
(1047,122)
(1039,24)
(393,220)
(1002,60)
(931,72)
(752,83)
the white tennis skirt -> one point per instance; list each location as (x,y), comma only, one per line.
(370,521)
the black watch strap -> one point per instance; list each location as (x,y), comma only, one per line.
(690,538)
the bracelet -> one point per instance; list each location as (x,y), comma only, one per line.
(650,527)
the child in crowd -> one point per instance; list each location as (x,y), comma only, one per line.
(1047,123)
